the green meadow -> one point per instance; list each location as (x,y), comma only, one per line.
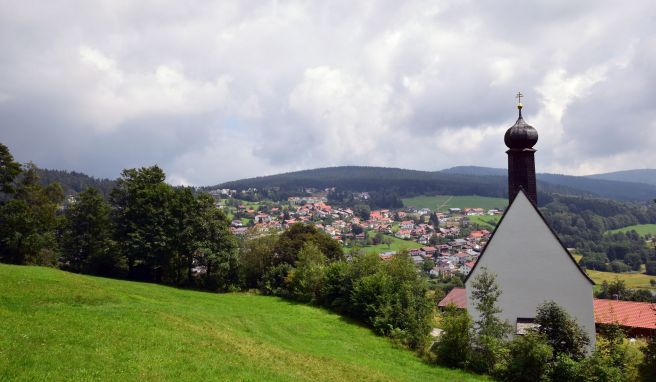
(58,326)
(444,202)
(485,221)
(641,229)
(397,245)
(632,280)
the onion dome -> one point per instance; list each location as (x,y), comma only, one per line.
(521,135)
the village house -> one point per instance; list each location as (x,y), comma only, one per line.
(407,225)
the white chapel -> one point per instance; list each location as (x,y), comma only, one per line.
(530,262)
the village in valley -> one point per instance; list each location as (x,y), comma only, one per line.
(442,241)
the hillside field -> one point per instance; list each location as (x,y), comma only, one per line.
(641,229)
(444,202)
(632,280)
(397,245)
(60,326)
(485,221)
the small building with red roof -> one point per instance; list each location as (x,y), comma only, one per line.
(637,318)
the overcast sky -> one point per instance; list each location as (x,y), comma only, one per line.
(221,90)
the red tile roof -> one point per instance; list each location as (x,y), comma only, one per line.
(457,296)
(626,313)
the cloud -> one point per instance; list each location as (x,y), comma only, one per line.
(214,91)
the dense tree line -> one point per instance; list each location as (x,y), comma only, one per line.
(148,230)
(582,223)
(376,200)
(305,264)
(28,214)
(74,182)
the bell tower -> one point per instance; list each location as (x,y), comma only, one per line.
(520,139)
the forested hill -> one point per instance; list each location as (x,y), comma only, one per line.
(631,185)
(639,176)
(456,181)
(384,180)
(75,182)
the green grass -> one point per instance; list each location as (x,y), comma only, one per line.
(397,245)
(632,280)
(641,229)
(58,326)
(444,202)
(485,221)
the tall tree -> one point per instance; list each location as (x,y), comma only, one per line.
(491,331)
(292,240)
(215,246)
(183,209)
(9,170)
(562,332)
(141,210)
(86,235)
(28,221)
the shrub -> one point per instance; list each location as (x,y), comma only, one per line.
(453,348)
(308,276)
(561,331)
(491,332)
(530,355)
(599,368)
(614,348)
(647,368)
(274,279)
(564,369)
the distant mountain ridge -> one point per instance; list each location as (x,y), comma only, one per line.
(647,176)
(629,185)
(462,180)
(475,170)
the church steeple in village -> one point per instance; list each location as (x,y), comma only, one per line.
(520,139)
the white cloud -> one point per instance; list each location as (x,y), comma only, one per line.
(214,91)
(117,96)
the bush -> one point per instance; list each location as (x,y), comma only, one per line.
(618,266)
(491,332)
(647,368)
(651,268)
(599,368)
(530,355)
(274,279)
(617,352)
(306,280)
(561,331)
(453,348)
(564,369)
(394,297)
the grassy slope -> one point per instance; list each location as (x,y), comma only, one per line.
(642,229)
(397,245)
(485,221)
(632,280)
(62,326)
(448,201)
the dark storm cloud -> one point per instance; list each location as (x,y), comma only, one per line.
(217,91)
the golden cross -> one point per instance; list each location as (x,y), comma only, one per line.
(519,97)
